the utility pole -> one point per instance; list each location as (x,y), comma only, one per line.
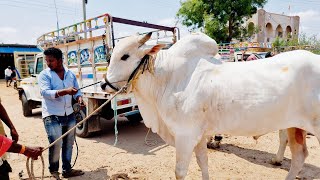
(84,2)
(55,5)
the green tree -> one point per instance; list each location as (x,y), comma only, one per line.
(311,43)
(221,19)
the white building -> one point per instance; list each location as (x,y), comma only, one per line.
(271,25)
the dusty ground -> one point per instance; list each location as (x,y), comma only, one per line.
(238,157)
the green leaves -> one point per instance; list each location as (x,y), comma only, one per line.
(221,19)
(311,43)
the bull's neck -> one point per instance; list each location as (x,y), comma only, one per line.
(151,85)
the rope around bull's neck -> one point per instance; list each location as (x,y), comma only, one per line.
(30,171)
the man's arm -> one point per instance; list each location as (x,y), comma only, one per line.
(6,145)
(5,118)
(45,86)
(32,152)
(78,95)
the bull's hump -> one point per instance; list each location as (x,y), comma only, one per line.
(195,45)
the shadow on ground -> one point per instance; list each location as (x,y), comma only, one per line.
(100,173)
(130,135)
(263,158)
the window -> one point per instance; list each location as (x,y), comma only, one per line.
(39,65)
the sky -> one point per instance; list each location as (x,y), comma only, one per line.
(24,21)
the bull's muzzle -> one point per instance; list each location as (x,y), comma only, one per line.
(103,85)
(107,86)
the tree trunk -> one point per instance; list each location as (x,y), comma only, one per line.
(230,30)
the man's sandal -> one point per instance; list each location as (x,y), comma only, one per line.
(72,173)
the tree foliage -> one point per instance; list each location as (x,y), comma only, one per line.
(221,19)
(303,41)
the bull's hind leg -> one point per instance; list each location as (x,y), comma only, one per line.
(283,137)
(214,142)
(202,158)
(297,142)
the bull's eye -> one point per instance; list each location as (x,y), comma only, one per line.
(125,57)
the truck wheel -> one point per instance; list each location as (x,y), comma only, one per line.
(134,117)
(82,129)
(27,110)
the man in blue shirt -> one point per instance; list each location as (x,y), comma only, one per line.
(58,86)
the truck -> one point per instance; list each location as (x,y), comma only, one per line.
(24,63)
(87,48)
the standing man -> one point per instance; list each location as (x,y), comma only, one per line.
(58,86)
(7,73)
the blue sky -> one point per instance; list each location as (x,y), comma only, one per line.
(24,21)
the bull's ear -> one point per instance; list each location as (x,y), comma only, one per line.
(144,38)
(155,49)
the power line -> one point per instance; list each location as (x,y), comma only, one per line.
(41,9)
(41,3)
(37,5)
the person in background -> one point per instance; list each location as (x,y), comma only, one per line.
(7,73)
(8,145)
(58,86)
(269,54)
(252,57)
(243,55)
(14,77)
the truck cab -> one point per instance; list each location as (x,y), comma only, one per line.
(29,91)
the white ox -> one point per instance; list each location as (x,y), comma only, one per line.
(186,97)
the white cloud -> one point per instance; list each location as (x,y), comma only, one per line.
(309,22)
(8,34)
(172,22)
(308,16)
(8,30)
(167,22)
(12,35)
(73,1)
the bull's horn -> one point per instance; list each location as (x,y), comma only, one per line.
(145,38)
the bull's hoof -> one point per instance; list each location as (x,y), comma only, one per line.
(120,176)
(275,162)
(213,145)
(310,134)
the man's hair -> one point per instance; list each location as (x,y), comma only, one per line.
(268,55)
(55,52)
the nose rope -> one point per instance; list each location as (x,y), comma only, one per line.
(142,66)
(89,85)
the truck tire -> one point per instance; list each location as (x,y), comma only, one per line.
(27,110)
(134,117)
(82,130)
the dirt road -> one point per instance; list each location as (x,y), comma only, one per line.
(238,157)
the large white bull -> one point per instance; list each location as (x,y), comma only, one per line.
(183,97)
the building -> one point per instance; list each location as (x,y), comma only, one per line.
(19,56)
(270,26)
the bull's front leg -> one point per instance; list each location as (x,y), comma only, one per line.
(202,158)
(184,148)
